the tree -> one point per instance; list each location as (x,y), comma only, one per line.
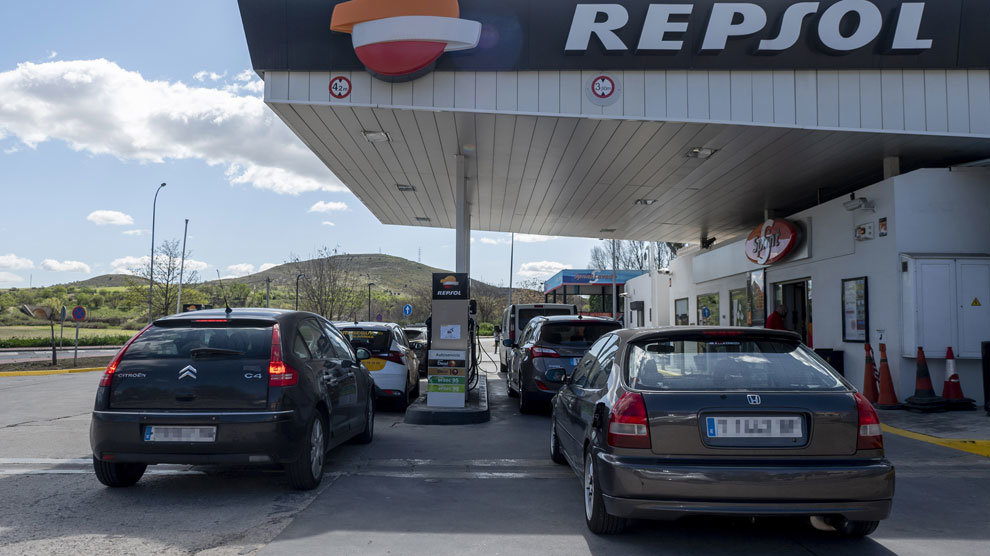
(165,292)
(632,255)
(666,253)
(327,285)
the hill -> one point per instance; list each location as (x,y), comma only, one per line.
(108,281)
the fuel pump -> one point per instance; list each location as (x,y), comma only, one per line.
(451,354)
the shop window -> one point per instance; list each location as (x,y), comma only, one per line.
(738,307)
(681,312)
(708,314)
(756,287)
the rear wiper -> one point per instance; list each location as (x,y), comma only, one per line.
(200,352)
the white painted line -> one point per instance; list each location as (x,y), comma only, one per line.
(45,461)
(90,471)
(440,474)
(500,462)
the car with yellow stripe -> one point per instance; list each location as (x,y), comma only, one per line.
(393,364)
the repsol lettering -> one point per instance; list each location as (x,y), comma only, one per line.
(837,28)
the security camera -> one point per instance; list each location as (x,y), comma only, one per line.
(861,203)
(707,242)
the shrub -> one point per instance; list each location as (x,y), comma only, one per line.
(109,340)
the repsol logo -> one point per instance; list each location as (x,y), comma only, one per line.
(837,28)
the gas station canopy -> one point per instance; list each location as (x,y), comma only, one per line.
(622,120)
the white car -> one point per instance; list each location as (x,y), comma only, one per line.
(393,364)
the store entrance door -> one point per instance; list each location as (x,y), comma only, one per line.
(796,296)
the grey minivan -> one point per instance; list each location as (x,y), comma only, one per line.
(671,422)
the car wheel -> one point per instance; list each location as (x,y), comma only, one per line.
(526,402)
(307,471)
(369,423)
(854,529)
(502,368)
(555,454)
(118,474)
(599,521)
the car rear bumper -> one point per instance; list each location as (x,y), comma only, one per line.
(243,437)
(650,488)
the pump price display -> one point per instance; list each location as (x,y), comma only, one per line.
(446,372)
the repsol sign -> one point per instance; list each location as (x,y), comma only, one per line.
(526,35)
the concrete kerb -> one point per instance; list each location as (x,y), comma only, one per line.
(475,410)
(50,372)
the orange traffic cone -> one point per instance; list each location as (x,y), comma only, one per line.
(888,398)
(870,377)
(924,398)
(952,390)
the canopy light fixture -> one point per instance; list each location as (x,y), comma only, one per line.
(422,219)
(646,202)
(376,136)
(859,203)
(404,187)
(607,230)
(701,152)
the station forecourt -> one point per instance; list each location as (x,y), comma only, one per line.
(855,131)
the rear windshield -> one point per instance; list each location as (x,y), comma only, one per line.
(699,363)
(375,341)
(526,315)
(177,343)
(575,334)
(412,334)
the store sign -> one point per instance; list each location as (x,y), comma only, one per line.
(772,241)
(451,285)
(403,39)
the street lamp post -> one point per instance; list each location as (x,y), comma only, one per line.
(369,300)
(182,268)
(151,263)
(298,276)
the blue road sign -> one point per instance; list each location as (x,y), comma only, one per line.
(378,317)
(407,309)
(706,312)
(79,313)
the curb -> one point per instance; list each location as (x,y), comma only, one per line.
(475,411)
(51,372)
(978,447)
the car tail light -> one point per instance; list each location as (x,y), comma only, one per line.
(112,367)
(870,436)
(394,357)
(722,333)
(280,374)
(542,386)
(628,426)
(537,351)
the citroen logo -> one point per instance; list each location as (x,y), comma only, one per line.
(753,399)
(188,371)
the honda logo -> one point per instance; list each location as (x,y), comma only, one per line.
(753,399)
(188,371)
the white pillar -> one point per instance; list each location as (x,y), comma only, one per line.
(462,218)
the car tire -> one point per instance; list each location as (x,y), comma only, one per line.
(118,475)
(502,368)
(368,434)
(555,454)
(855,529)
(306,472)
(599,521)
(526,402)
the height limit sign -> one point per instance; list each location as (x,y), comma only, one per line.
(603,90)
(340,87)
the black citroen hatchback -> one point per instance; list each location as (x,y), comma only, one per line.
(255,386)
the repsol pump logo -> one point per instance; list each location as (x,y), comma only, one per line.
(836,28)
(400,40)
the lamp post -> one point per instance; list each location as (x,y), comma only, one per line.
(369,300)
(182,268)
(298,276)
(151,263)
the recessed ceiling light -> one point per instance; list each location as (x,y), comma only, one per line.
(422,219)
(646,202)
(376,136)
(607,230)
(405,187)
(701,152)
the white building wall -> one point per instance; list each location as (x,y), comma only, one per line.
(955,102)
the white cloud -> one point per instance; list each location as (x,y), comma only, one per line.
(246,75)
(100,108)
(52,55)
(328,206)
(242,269)
(10,278)
(12,150)
(328,223)
(266,266)
(11,261)
(135,232)
(110,218)
(494,241)
(65,266)
(194,265)
(531,238)
(541,269)
(127,265)
(203,75)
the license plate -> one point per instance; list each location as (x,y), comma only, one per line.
(375,364)
(180,434)
(755,427)
(575,360)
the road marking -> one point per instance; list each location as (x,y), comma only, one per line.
(89,471)
(45,461)
(978,447)
(51,372)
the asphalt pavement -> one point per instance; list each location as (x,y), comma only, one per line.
(21,356)
(474,489)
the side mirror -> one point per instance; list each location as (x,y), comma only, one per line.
(556,375)
(507,343)
(363,354)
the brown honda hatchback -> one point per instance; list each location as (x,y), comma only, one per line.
(665,423)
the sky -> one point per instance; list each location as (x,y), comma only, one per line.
(100,102)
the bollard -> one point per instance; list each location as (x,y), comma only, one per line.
(986,377)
